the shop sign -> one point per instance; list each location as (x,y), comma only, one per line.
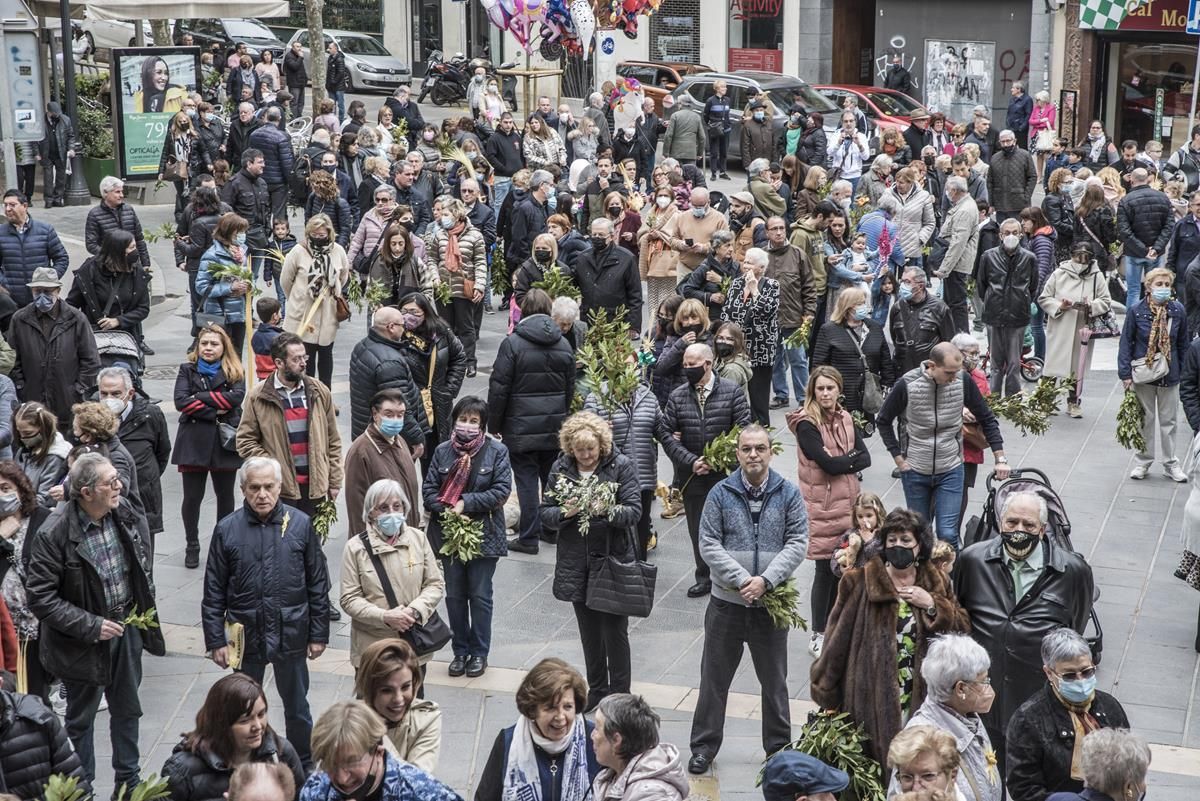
(755,9)
(1134,15)
(745,58)
(153,83)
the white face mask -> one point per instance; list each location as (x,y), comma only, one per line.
(1011,241)
(662,202)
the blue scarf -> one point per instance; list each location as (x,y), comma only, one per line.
(209,369)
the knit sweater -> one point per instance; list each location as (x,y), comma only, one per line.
(700,230)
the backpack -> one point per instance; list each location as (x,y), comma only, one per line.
(298,180)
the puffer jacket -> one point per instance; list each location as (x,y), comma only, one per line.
(270,576)
(378,363)
(201,775)
(449,369)
(46,473)
(1060,213)
(22,253)
(531,386)
(611,534)
(530,272)
(836,348)
(654,775)
(527,221)
(1009,282)
(65,594)
(102,218)
(202,402)
(278,157)
(830,457)
(668,370)
(143,432)
(697,286)
(98,293)
(1135,337)
(474,258)
(1185,246)
(215,293)
(1011,180)
(212,137)
(483,498)
(339,213)
(915,220)
(1144,220)
(725,407)
(634,429)
(33,746)
(1187,289)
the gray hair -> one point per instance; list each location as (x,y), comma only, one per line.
(244,106)
(956,183)
(1042,96)
(952,658)
(565,309)
(1062,645)
(320,136)
(540,178)
(256,463)
(758,165)
(85,473)
(383,489)
(388,189)
(593,97)
(889,203)
(882,162)
(1007,134)
(603,223)
(1043,511)
(722,237)
(756,256)
(415,155)
(108,183)
(964,340)
(918,275)
(1113,758)
(699,349)
(1010,222)
(119,373)
(273,115)
(839,185)
(631,717)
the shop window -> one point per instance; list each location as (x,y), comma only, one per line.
(675,32)
(1143,69)
(755,36)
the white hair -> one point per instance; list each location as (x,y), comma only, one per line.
(840,185)
(889,203)
(882,162)
(108,183)
(565,309)
(756,256)
(1113,759)
(758,165)
(1063,645)
(964,340)
(256,463)
(383,489)
(1032,497)
(1007,134)
(119,373)
(956,183)
(952,658)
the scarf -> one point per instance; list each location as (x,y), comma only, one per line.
(1160,332)
(522,780)
(319,272)
(209,369)
(453,254)
(1096,147)
(1084,723)
(456,480)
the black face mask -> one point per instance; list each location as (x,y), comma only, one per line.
(899,557)
(319,243)
(724,349)
(614,211)
(1019,544)
(694,375)
(542,256)
(928,160)
(692,329)
(1009,149)
(363,790)
(599,243)
(131,259)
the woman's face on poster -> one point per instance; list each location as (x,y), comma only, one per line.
(162,74)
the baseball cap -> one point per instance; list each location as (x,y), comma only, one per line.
(792,773)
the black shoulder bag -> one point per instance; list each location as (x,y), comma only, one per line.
(425,638)
(620,588)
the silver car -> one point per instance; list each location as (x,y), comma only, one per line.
(371,66)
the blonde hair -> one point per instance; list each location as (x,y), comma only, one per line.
(583,425)
(1058,178)
(1111,179)
(814,178)
(691,308)
(972,152)
(812,409)
(609,199)
(95,420)
(847,300)
(374,163)
(868,500)
(231,363)
(546,239)
(913,741)
(1158,272)
(318,221)
(347,731)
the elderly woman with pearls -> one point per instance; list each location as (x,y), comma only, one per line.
(958,691)
(1115,762)
(1039,759)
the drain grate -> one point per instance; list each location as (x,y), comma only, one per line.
(160,373)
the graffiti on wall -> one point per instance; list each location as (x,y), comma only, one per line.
(958,76)
(907,60)
(1011,69)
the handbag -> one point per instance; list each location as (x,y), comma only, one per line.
(1110,258)
(175,169)
(1148,371)
(1045,139)
(620,588)
(427,390)
(1102,326)
(341,308)
(227,434)
(972,434)
(425,638)
(872,395)
(205,319)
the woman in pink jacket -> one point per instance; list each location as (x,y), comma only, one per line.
(1042,118)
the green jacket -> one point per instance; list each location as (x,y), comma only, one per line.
(812,244)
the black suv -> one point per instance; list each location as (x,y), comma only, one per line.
(229,31)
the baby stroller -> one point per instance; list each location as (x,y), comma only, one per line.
(1058,527)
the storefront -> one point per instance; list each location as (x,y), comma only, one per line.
(755,35)
(1142,87)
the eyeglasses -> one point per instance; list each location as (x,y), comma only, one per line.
(114,483)
(1076,675)
(923,778)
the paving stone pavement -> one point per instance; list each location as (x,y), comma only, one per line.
(1127,529)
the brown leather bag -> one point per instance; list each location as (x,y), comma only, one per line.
(342,307)
(972,434)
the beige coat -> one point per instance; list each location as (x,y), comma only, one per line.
(685,225)
(418,737)
(663,265)
(295,280)
(1062,325)
(415,576)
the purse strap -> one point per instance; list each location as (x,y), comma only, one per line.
(858,347)
(432,363)
(377,563)
(1089,230)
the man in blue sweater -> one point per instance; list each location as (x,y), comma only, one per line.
(753,536)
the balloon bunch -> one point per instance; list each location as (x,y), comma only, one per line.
(556,26)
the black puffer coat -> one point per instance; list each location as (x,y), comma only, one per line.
(339,213)
(1103,225)
(613,534)
(379,363)
(725,407)
(835,347)
(65,594)
(1185,247)
(98,293)
(448,371)
(532,383)
(202,402)
(635,431)
(1060,213)
(483,498)
(530,272)
(144,434)
(270,577)
(33,746)
(101,219)
(1144,220)
(203,776)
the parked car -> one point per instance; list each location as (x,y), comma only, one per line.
(371,65)
(784,91)
(229,31)
(659,78)
(111,32)
(882,106)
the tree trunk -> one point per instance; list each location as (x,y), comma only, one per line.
(162,32)
(313,12)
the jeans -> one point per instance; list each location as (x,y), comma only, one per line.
(954,292)
(291,679)
(500,188)
(1005,345)
(469,604)
(718,152)
(124,709)
(339,97)
(1135,268)
(937,495)
(297,101)
(1037,326)
(797,360)
(530,471)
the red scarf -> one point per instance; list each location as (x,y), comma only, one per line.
(453,254)
(460,471)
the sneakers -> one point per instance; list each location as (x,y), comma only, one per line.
(1172,471)
(1074,410)
(1139,472)
(673,505)
(58,699)
(815,641)
(778,402)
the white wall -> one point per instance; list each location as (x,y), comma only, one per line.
(714,38)
(397,30)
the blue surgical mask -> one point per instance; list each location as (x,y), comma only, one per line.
(1077,692)
(699,211)
(552,202)
(391,426)
(447,221)
(905,291)
(391,523)
(44,303)
(1161,294)
(862,312)
(209,116)
(240,239)
(760,116)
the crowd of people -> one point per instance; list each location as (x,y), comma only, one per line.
(847,287)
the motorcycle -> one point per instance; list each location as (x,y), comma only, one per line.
(445,81)
(508,83)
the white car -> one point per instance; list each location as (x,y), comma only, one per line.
(111,33)
(371,66)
